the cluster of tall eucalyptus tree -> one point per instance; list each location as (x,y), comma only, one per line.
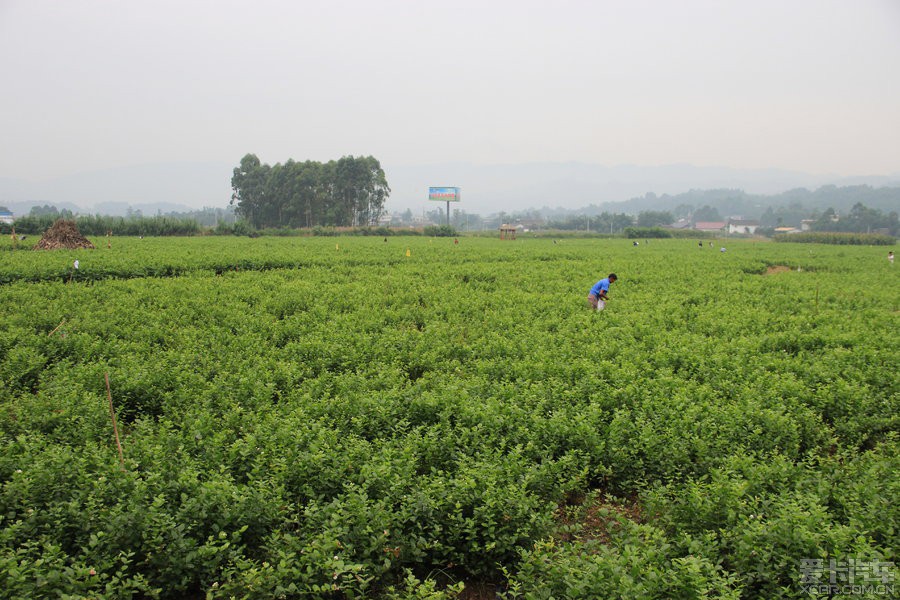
(347,192)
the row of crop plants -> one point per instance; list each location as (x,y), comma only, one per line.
(376,424)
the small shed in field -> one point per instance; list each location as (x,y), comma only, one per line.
(507,232)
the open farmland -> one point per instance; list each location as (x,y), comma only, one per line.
(331,417)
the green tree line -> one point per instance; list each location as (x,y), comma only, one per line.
(603,223)
(348,192)
(94,225)
(791,206)
(860,219)
(841,238)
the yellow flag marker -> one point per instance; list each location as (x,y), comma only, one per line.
(337,247)
(407,252)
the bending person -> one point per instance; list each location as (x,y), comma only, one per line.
(600,290)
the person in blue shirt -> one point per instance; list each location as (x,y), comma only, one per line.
(600,290)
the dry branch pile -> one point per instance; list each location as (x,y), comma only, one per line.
(63,235)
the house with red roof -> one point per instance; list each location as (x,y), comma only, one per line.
(710,226)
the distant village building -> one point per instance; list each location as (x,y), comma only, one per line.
(742,226)
(807,224)
(786,230)
(527,225)
(710,226)
(6,217)
(679,224)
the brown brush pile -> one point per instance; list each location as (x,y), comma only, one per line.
(63,235)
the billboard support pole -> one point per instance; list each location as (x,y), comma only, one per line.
(450,194)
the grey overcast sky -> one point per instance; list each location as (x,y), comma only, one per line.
(809,85)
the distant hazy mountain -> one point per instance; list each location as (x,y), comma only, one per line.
(492,188)
(181,186)
(149,188)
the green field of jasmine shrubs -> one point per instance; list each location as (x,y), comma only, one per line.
(415,418)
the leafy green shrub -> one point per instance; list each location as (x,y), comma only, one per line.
(440,231)
(771,516)
(239,228)
(41,569)
(647,232)
(321,231)
(637,562)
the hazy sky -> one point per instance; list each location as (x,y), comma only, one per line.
(810,85)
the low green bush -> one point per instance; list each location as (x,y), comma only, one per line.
(833,237)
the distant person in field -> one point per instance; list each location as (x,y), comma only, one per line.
(600,290)
(891,257)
